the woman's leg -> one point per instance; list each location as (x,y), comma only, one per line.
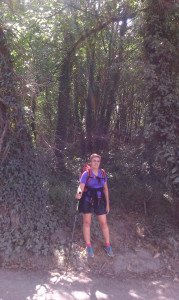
(104,227)
(86,227)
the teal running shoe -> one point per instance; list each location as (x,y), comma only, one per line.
(89,251)
(109,251)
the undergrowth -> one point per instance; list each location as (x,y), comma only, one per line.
(36,201)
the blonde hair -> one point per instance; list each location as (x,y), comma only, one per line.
(95,155)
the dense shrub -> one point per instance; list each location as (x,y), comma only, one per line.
(26,218)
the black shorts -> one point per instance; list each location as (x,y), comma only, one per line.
(98,206)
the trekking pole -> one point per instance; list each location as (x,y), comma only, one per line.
(74,224)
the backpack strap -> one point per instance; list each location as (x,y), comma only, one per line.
(103,173)
(89,175)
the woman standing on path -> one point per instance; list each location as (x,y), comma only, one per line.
(94,197)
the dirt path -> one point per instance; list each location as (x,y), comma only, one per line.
(144,268)
(35,285)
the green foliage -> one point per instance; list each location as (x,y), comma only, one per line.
(90,76)
(94,90)
(26,219)
(62,196)
(133,183)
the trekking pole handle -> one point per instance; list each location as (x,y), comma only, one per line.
(79,191)
(77,205)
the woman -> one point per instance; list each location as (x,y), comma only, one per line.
(94,197)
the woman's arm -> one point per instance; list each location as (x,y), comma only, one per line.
(106,193)
(80,189)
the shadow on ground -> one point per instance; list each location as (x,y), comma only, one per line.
(35,285)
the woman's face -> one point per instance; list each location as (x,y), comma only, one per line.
(95,162)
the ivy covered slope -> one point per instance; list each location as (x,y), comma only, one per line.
(25,220)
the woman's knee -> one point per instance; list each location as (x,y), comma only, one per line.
(103,224)
(102,221)
(86,221)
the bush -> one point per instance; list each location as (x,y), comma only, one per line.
(26,219)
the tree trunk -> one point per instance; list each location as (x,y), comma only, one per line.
(79,111)
(90,103)
(63,111)
(160,41)
(13,133)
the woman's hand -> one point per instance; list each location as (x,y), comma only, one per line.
(80,191)
(106,193)
(78,196)
(107,208)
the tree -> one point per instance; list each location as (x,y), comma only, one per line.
(26,222)
(160,42)
(98,110)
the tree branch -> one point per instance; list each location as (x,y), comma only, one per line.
(3,102)
(8,105)
(2,136)
(90,32)
(85,11)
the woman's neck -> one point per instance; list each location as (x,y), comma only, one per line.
(95,171)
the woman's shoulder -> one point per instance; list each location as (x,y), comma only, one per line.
(102,173)
(84,174)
